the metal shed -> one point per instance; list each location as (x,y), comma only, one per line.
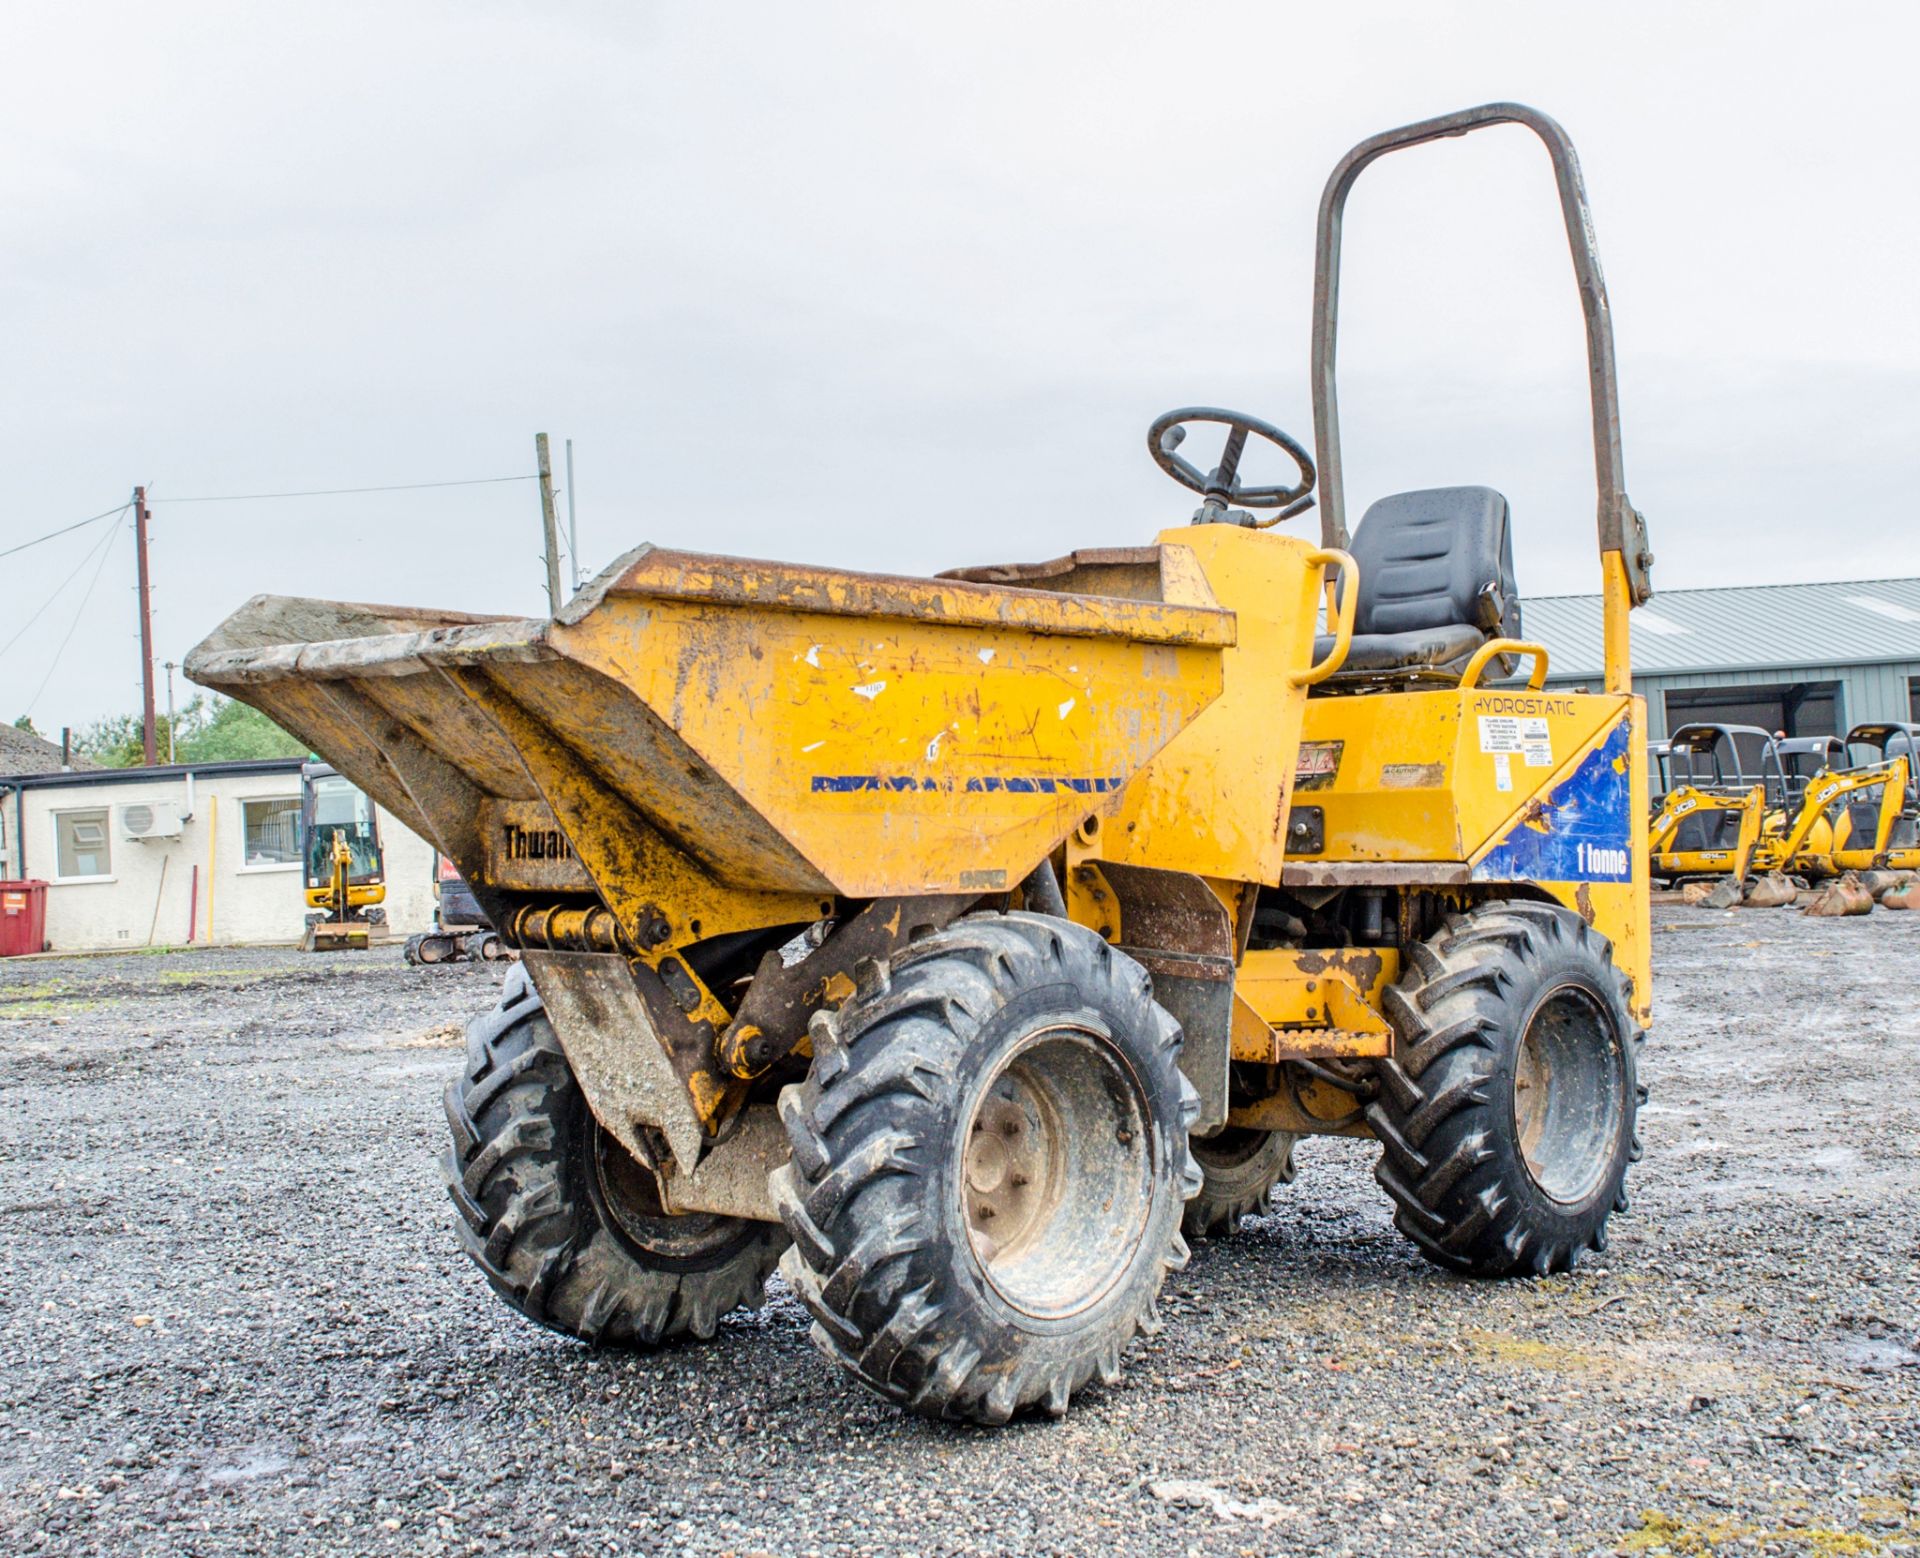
(1809,659)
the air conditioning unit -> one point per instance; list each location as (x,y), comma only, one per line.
(150,820)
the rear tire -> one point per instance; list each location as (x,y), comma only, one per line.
(564,1223)
(1241,1166)
(989,1165)
(1506,1115)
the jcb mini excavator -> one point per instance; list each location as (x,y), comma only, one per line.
(1818,831)
(1710,817)
(953,940)
(345,874)
(1891,823)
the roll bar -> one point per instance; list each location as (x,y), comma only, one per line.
(1702,738)
(1622,530)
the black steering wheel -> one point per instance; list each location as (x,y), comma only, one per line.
(1221,486)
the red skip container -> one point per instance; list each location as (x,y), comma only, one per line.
(23,918)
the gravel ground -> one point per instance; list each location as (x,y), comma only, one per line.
(233,1318)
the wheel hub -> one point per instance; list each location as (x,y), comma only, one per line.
(1568,1094)
(1006,1152)
(1057,1171)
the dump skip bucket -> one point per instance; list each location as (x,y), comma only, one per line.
(776,729)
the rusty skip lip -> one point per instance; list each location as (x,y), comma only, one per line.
(753,583)
(379,654)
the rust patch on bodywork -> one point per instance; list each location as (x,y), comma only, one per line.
(1362,965)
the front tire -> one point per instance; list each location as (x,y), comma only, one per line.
(566,1226)
(1506,1115)
(989,1165)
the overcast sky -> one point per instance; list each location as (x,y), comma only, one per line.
(900,286)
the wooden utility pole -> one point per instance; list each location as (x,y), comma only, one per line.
(146,626)
(547,524)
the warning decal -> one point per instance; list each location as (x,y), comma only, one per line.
(1526,737)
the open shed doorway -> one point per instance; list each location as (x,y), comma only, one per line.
(1798,708)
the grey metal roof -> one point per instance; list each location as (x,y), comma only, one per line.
(1866,622)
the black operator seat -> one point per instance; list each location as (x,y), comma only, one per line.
(1436,582)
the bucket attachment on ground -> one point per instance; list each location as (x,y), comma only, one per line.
(1724,894)
(1772,891)
(335,936)
(1841,897)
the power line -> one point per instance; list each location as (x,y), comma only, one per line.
(105,553)
(65,529)
(61,587)
(255,497)
(336,492)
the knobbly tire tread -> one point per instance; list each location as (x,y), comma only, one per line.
(1231,1191)
(518,1175)
(892,1299)
(1460,1190)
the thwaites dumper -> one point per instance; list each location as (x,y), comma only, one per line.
(950,941)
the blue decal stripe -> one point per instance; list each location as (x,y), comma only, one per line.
(1588,836)
(989,784)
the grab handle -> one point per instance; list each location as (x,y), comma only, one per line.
(1344,602)
(1493,647)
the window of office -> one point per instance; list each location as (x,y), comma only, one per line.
(272,830)
(81,846)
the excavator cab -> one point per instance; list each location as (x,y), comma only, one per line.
(1711,814)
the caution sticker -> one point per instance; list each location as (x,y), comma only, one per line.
(1529,738)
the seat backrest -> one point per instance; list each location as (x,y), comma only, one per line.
(1706,830)
(1436,559)
(1864,820)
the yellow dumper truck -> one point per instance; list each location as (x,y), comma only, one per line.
(952,941)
